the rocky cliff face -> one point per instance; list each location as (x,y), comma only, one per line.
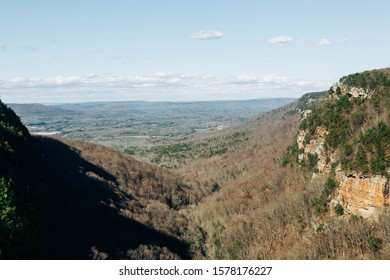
(358,194)
(354,92)
(362,195)
(315,146)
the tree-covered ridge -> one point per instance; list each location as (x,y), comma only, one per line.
(309,100)
(11,127)
(17,216)
(9,119)
(369,79)
(14,140)
(358,127)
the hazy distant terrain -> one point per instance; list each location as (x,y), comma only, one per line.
(138,125)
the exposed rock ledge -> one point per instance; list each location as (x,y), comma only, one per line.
(362,195)
(354,92)
(316,145)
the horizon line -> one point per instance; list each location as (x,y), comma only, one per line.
(150,101)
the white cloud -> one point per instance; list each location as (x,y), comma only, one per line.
(168,86)
(323,42)
(344,40)
(2,46)
(280,40)
(207,35)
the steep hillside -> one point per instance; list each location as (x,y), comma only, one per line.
(266,205)
(348,135)
(17,215)
(63,199)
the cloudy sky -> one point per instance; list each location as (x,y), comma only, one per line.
(72,51)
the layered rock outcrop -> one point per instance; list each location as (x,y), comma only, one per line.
(358,194)
(316,145)
(355,92)
(362,195)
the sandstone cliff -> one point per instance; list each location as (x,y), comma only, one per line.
(362,195)
(359,192)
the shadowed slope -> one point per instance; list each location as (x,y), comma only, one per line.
(83,212)
(56,204)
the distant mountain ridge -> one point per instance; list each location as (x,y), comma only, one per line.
(36,108)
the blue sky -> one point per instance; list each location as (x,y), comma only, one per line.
(72,51)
